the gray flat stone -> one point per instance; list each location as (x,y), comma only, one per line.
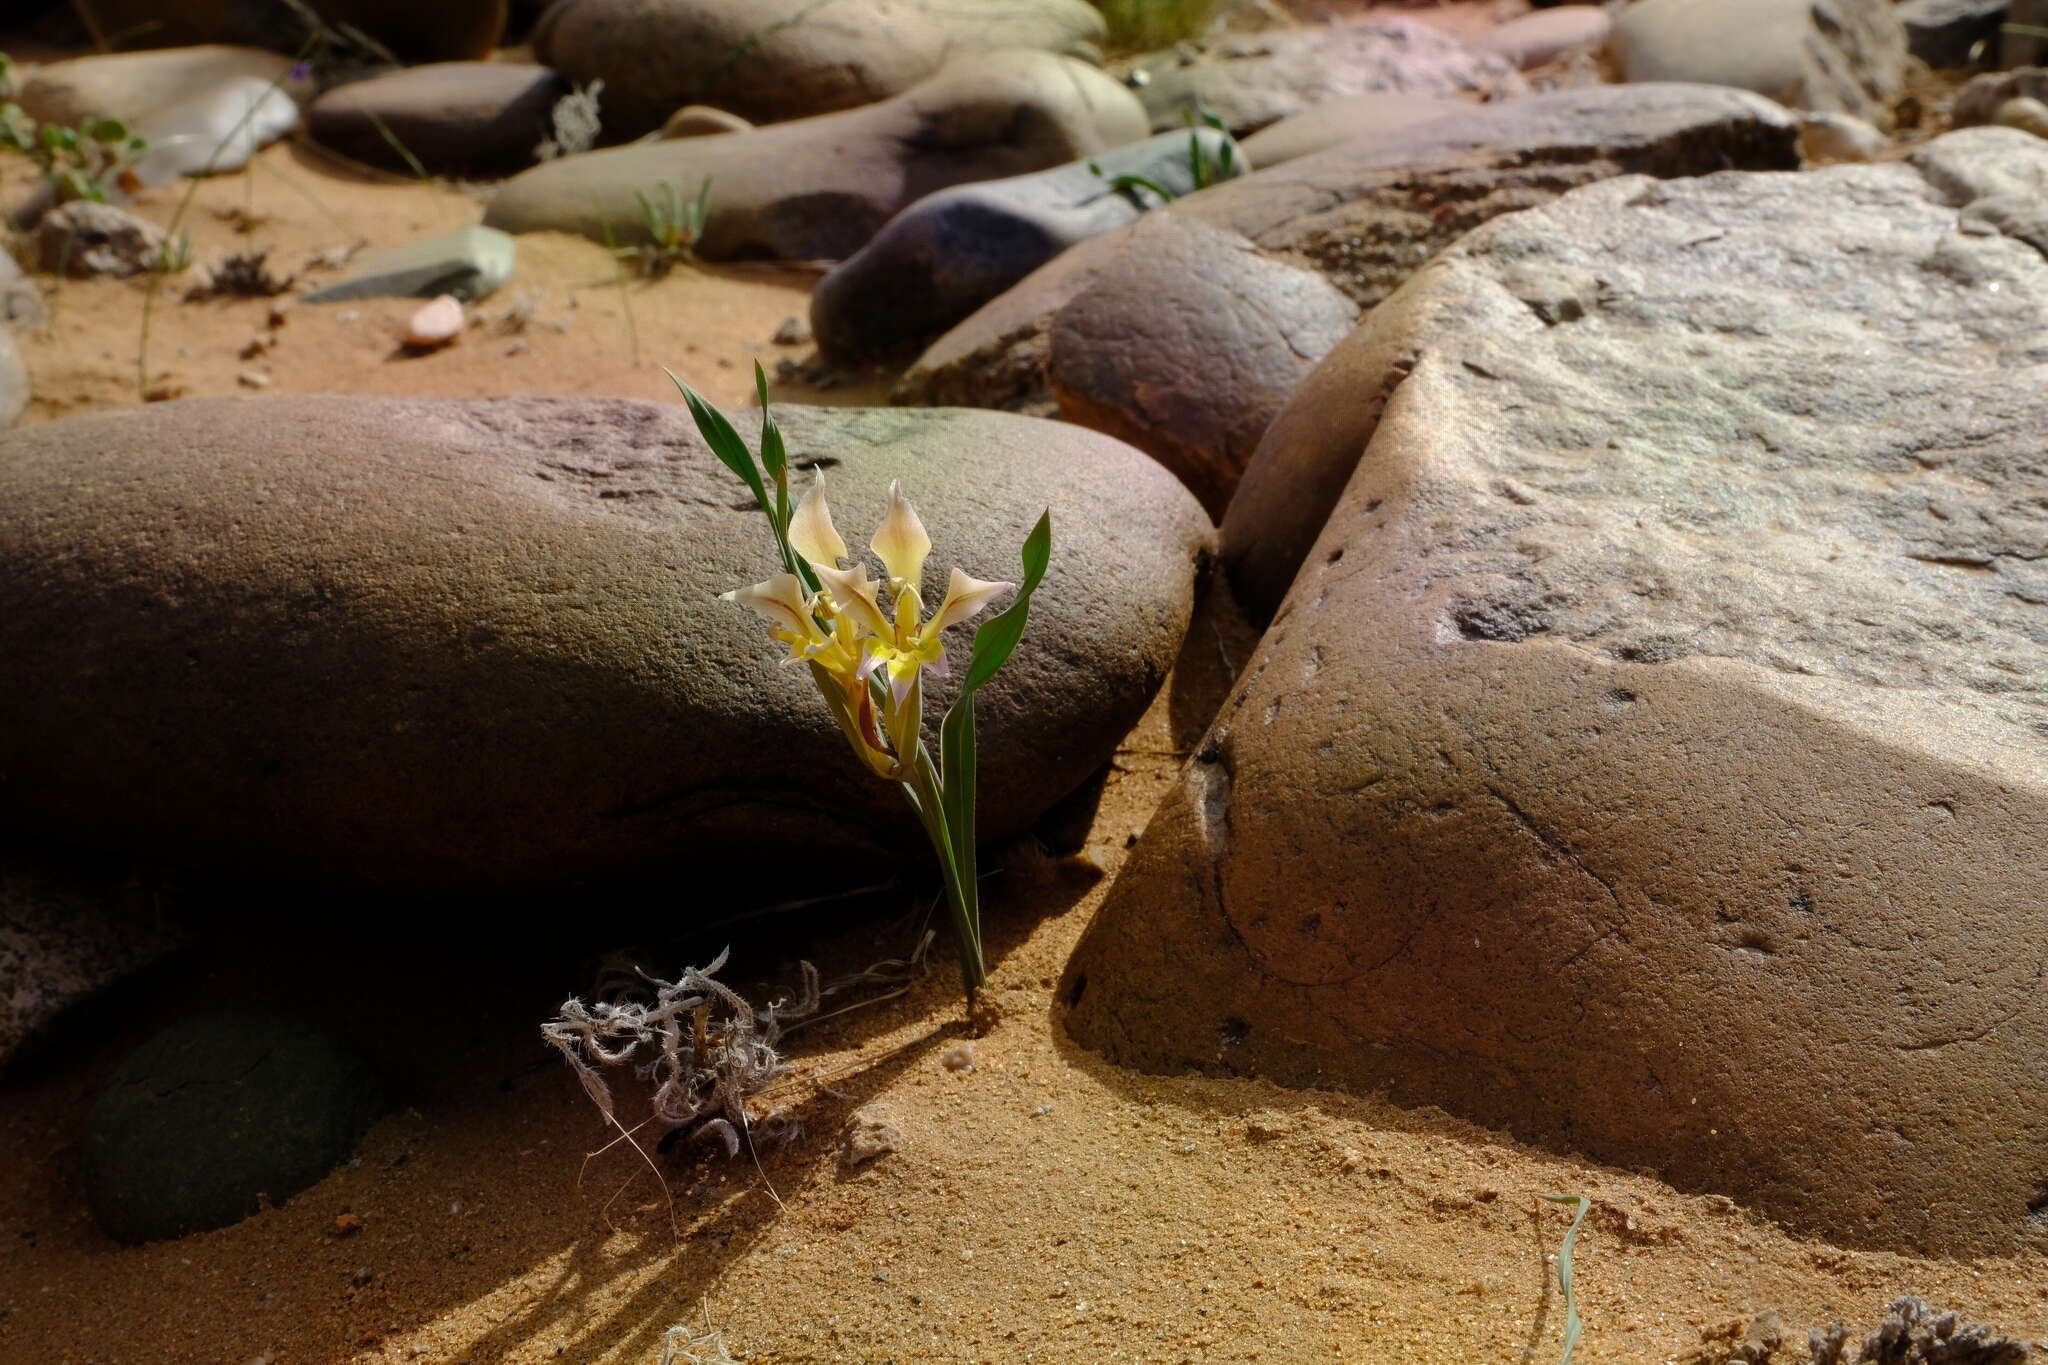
(470,264)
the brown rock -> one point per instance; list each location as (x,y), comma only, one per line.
(1650,758)
(701,120)
(132,85)
(85,238)
(1980,100)
(449,30)
(1840,56)
(770,60)
(821,187)
(472,647)
(476,119)
(1548,34)
(1252,80)
(1186,338)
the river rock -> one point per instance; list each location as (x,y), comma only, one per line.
(1840,56)
(1335,122)
(951,252)
(701,120)
(469,263)
(1186,333)
(215,131)
(2029,116)
(1651,758)
(769,60)
(473,647)
(1252,80)
(473,119)
(84,239)
(132,85)
(73,928)
(216,1116)
(1546,35)
(14,390)
(1980,100)
(1839,137)
(821,187)
(1952,32)
(448,30)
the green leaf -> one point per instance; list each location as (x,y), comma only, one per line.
(995,641)
(957,762)
(1573,1327)
(107,130)
(725,443)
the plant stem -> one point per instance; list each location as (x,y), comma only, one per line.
(923,788)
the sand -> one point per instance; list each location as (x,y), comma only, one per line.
(1042,1206)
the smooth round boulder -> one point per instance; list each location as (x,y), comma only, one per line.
(1334,122)
(450,30)
(1649,757)
(473,648)
(770,60)
(216,1116)
(131,85)
(475,119)
(1836,56)
(819,188)
(1546,35)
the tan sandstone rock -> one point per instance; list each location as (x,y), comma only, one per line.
(1652,758)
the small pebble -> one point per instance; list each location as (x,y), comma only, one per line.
(347,1223)
(362,1277)
(959,1057)
(792,332)
(253,379)
(435,325)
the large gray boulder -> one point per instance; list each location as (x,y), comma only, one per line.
(1835,56)
(471,647)
(951,252)
(769,60)
(1185,333)
(1651,757)
(821,187)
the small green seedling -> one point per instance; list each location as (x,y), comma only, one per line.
(867,644)
(78,163)
(1204,167)
(1573,1328)
(674,227)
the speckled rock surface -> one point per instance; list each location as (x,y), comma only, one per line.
(467,648)
(769,60)
(1652,758)
(819,188)
(1186,333)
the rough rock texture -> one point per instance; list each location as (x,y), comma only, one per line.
(84,239)
(1334,122)
(469,263)
(1186,333)
(1948,32)
(951,252)
(1251,80)
(71,929)
(769,60)
(455,118)
(213,1116)
(474,647)
(445,30)
(1843,56)
(131,85)
(821,187)
(1546,35)
(1652,757)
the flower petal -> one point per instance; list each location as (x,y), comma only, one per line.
(780,599)
(854,593)
(965,595)
(811,531)
(901,543)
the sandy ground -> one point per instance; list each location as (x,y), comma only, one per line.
(1043,1206)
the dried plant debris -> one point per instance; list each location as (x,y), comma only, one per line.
(576,122)
(711,1051)
(683,1345)
(1912,1333)
(243,274)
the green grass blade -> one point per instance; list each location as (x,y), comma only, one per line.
(1573,1328)
(725,443)
(995,641)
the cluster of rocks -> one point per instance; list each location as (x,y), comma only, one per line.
(1651,535)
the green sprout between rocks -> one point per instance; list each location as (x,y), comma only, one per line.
(674,227)
(867,645)
(1573,1327)
(78,163)
(1204,168)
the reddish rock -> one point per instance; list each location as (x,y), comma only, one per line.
(1649,759)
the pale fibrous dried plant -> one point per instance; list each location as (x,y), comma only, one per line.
(706,1050)
(576,124)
